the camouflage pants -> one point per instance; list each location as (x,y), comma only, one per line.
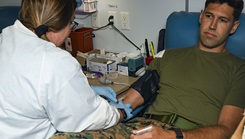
(119,131)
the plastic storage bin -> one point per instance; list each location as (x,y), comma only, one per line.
(81,40)
(87,6)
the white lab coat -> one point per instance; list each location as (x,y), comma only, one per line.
(43,89)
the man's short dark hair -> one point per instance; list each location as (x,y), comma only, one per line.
(237,5)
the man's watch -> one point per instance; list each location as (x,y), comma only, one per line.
(178,133)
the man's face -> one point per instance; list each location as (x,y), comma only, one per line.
(216,23)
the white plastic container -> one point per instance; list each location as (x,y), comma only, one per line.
(87,6)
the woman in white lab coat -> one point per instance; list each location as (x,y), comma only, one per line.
(42,87)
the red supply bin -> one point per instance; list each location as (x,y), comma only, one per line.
(81,40)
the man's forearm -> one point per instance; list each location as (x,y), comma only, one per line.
(133,97)
(229,118)
(211,132)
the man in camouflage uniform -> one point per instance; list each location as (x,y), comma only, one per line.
(120,131)
(203,85)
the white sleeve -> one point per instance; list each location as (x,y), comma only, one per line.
(69,101)
(76,108)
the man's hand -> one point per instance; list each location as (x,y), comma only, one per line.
(227,123)
(155,133)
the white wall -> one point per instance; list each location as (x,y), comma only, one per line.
(196,5)
(146,18)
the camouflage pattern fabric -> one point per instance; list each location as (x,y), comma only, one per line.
(119,131)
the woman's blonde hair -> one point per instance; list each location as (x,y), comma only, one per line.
(52,14)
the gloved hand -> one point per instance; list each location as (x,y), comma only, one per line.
(106,92)
(109,94)
(126,107)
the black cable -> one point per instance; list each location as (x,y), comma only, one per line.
(106,26)
(110,20)
(125,37)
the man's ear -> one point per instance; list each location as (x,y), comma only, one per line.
(234,27)
(200,16)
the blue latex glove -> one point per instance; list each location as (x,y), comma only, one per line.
(126,107)
(109,94)
(106,92)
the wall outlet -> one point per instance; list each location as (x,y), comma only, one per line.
(114,14)
(95,20)
(125,20)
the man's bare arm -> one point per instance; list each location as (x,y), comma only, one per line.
(131,97)
(229,118)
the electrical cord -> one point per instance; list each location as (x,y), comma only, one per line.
(110,20)
(125,37)
(105,80)
(103,27)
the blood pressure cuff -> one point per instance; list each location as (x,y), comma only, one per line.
(147,85)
